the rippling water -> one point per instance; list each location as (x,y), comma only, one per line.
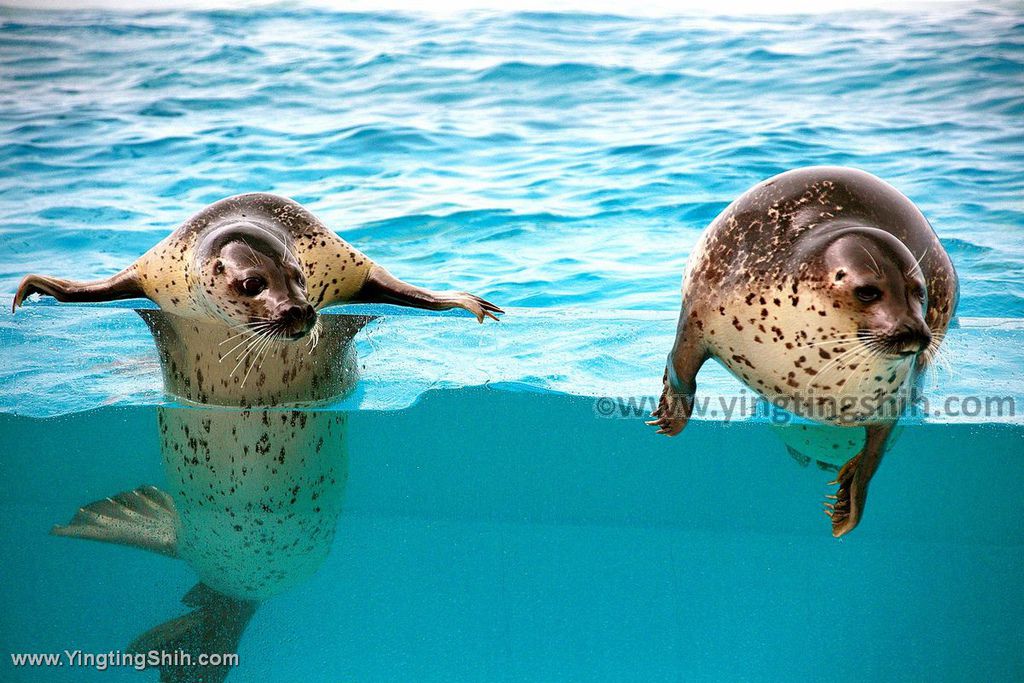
(537,159)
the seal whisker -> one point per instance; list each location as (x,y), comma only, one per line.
(258,339)
(240,344)
(881,346)
(934,347)
(238,327)
(258,355)
(836,363)
(844,360)
(877,270)
(917,264)
(248,327)
(845,354)
(244,354)
(314,335)
(854,363)
(255,261)
(834,342)
(274,340)
(942,358)
(254,334)
(845,337)
(936,356)
(252,353)
(866,353)
(269,331)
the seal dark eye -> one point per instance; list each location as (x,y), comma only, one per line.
(251,286)
(919,293)
(868,293)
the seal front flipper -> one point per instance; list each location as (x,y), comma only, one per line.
(680,381)
(144,518)
(383,287)
(124,285)
(854,478)
(214,627)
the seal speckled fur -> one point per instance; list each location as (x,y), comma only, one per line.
(169,275)
(254,492)
(297,264)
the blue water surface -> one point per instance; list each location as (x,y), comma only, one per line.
(539,160)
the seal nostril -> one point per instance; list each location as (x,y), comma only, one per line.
(298,318)
(910,342)
(292,313)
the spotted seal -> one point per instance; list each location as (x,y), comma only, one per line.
(826,291)
(255,480)
(254,259)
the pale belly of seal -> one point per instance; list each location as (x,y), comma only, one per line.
(257,492)
(810,364)
(253,492)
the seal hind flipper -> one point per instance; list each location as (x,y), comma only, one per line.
(124,285)
(383,287)
(214,627)
(144,518)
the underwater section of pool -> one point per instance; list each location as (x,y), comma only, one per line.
(514,530)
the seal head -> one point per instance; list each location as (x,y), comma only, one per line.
(875,278)
(250,276)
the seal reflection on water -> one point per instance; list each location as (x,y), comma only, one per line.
(826,291)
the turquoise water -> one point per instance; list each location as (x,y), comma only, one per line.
(495,525)
(535,159)
(574,549)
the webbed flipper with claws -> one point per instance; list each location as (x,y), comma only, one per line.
(679,381)
(383,287)
(673,411)
(124,285)
(853,480)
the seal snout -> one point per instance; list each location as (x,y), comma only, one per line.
(296,320)
(910,339)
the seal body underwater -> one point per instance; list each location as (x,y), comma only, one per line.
(826,291)
(254,259)
(253,493)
